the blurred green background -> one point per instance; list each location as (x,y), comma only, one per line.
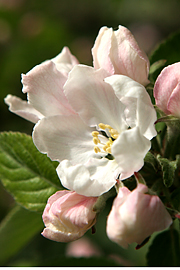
(32,31)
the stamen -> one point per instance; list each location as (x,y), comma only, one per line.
(110,133)
(108,150)
(96,140)
(113,131)
(96,149)
(102,126)
(115,136)
(95,133)
(108,127)
(105,147)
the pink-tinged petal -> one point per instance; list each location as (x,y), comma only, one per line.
(166,89)
(92,98)
(64,137)
(135,216)
(128,58)
(65,61)
(92,179)
(44,85)
(60,235)
(65,57)
(173,105)
(118,53)
(139,109)
(22,108)
(101,50)
(68,215)
(129,150)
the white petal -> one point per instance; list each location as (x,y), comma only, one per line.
(22,108)
(64,137)
(129,151)
(145,115)
(93,99)
(44,85)
(65,57)
(92,179)
(101,50)
(65,61)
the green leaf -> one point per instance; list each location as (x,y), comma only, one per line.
(150,158)
(18,227)
(168,169)
(157,65)
(164,250)
(26,173)
(167,50)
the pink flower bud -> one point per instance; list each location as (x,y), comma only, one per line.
(68,215)
(167,90)
(135,215)
(118,53)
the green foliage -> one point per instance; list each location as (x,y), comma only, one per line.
(168,169)
(19,226)
(26,173)
(165,249)
(167,51)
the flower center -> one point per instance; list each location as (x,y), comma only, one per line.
(104,138)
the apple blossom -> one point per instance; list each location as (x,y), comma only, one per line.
(107,137)
(135,215)
(167,90)
(97,126)
(118,53)
(68,215)
(44,86)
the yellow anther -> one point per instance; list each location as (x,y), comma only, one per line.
(113,131)
(102,126)
(108,150)
(115,136)
(109,143)
(95,133)
(96,149)
(108,126)
(96,140)
(105,147)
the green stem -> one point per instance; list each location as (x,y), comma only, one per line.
(101,201)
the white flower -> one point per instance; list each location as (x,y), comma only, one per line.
(96,125)
(106,137)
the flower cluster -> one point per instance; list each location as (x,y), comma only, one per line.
(98,122)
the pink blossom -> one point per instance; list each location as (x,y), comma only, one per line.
(167,90)
(118,53)
(135,215)
(82,248)
(68,215)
